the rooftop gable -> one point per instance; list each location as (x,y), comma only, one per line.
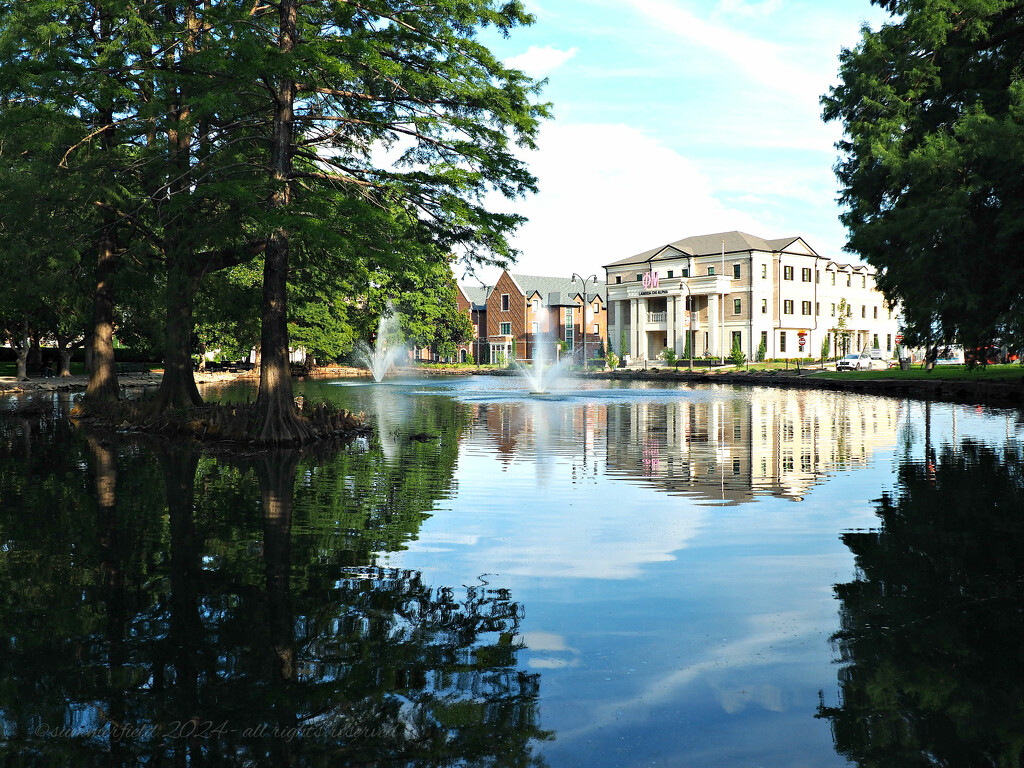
(713,244)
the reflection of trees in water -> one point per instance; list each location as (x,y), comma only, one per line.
(238,619)
(931,628)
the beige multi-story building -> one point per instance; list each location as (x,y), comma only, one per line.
(731,286)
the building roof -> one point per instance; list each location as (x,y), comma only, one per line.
(558,291)
(709,245)
(553,291)
(477,294)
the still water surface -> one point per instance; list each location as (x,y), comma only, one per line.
(603,576)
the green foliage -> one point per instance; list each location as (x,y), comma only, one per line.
(736,355)
(922,639)
(613,360)
(932,166)
(826,347)
(187,165)
(762,351)
(623,347)
(670,356)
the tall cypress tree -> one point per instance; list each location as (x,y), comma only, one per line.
(932,164)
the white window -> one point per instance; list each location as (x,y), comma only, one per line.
(504,302)
(535,328)
(536,305)
(597,329)
(506,329)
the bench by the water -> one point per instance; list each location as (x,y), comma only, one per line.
(125,368)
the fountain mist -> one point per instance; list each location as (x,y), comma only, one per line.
(388,347)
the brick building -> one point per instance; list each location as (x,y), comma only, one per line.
(520,312)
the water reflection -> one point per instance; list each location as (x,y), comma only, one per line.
(730,448)
(930,627)
(164,606)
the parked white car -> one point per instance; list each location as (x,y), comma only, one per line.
(858,361)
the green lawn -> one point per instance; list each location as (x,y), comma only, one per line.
(11,369)
(1011,372)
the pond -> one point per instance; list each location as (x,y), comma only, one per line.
(605,575)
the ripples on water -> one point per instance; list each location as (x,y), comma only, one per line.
(603,575)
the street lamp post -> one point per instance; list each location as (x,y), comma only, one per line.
(583,317)
(689,323)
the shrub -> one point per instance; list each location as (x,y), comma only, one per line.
(737,356)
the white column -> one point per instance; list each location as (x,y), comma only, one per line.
(641,328)
(634,325)
(619,325)
(670,320)
(713,330)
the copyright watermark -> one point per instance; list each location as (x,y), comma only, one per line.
(208,729)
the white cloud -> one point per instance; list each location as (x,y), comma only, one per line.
(539,61)
(610,191)
(768,63)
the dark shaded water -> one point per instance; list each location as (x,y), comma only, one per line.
(601,576)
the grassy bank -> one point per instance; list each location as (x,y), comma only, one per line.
(954,373)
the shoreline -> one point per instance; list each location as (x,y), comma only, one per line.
(997,394)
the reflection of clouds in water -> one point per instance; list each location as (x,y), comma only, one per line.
(546,644)
(763,647)
(765,696)
(586,541)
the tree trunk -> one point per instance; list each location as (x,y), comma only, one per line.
(103,385)
(35,354)
(65,348)
(22,349)
(112,589)
(65,362)
(276,474)
(87,349)
(178,386)
(277,421)
(184,626)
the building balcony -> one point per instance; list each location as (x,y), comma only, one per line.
(657,317)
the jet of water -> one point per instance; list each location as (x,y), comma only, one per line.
(545,370)
(387,349)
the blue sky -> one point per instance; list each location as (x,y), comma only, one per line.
(680,117)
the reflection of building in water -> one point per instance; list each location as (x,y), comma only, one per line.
(542,427)
(739,445)
(718,443)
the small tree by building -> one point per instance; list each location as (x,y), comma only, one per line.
(842,329)
(737,356)
(762,351)
(826,347)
